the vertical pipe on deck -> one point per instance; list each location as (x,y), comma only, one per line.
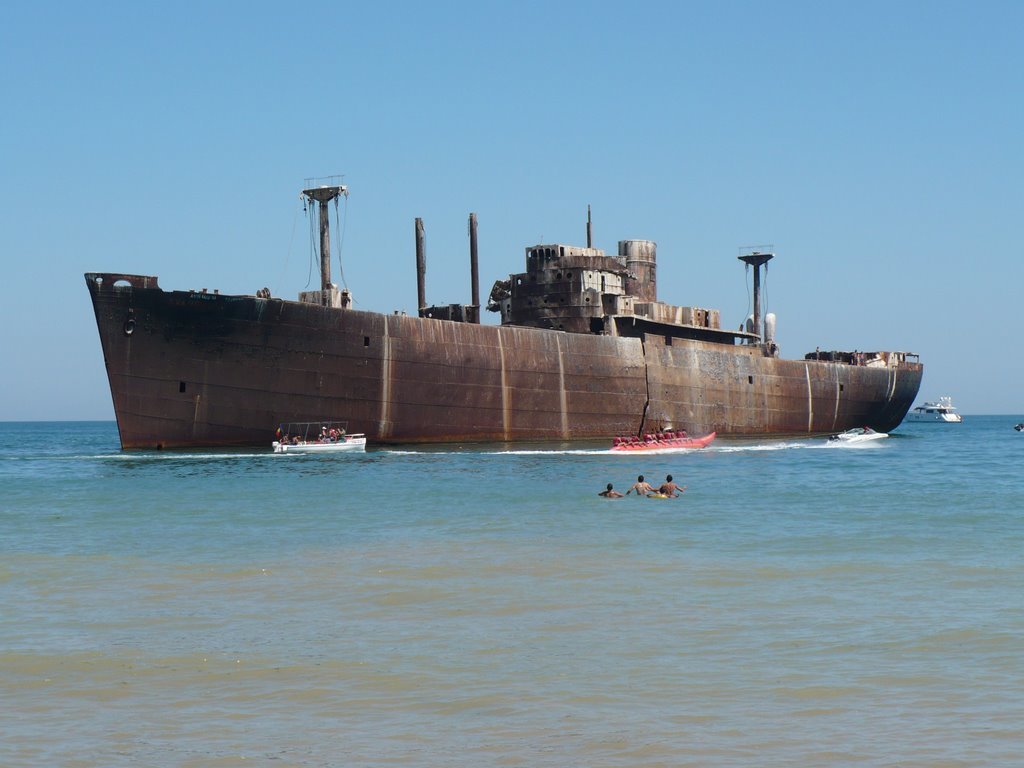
(421,269)
(757,260)
(473,269)
(325,246)
(757,300)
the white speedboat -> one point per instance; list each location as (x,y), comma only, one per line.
(860,435)
(317,437)
(942,411)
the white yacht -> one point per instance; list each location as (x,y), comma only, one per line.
(941,411)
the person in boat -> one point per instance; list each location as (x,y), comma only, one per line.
(670,488)
(641,486)
(610,493)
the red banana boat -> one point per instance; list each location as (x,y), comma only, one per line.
(661,442)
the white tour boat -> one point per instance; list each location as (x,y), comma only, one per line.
(317,437)
(859,435)
(941,411)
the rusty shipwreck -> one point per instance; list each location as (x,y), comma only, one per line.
(584,350)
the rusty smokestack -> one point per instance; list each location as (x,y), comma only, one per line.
(421,269)
(590,230)
(473,270)
(640,258)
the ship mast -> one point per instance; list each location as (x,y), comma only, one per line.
(324,195)
(756,260)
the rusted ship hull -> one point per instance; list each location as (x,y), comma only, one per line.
(191,369)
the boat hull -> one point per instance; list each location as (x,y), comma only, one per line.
(352,444)
(191,369)
(662,445)
(934,418)
(857,437)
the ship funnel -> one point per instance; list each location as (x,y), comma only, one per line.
(640,257)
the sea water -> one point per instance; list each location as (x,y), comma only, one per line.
(801,604)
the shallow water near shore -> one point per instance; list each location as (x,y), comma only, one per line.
(800,604)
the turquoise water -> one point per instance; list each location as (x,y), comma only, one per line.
(801,604)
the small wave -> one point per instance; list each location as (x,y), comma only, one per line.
(172,456)
(758,447)
(537,452)
(562,452)
(659,451)
(872,444)
(717,448)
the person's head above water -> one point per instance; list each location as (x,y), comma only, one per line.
(609,486)
(640,479)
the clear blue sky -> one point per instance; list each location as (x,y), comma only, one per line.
(877,146)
